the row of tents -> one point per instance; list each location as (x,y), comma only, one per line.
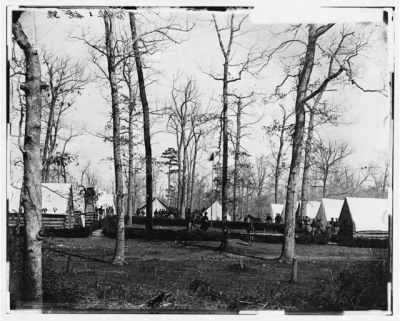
(354,215)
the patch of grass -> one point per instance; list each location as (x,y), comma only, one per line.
(196,279)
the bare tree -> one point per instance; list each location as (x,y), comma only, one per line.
(242,102)
(260,181)
(146,123)
(380,173)
(338,56)
(282,129)
(111,51)
(112,63)
(89,177)
(66,80)
(314,32)
(181,114)
(197,134)
(149,46)
(344,181)
(232,28)
(327,157)
(319,111)
(127,72)
(31,195)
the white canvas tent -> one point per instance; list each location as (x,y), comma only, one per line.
(214,212)
(157,206)
(275,209)
(364,215)
(312,208)
(56,198)
(330,208)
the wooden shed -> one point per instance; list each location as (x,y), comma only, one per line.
(363,216)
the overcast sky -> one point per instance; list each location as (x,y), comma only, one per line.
(366,131)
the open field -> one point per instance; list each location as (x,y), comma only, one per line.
(194,276)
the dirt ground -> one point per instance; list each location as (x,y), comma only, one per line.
(195,277)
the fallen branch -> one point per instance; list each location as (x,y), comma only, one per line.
(157,300)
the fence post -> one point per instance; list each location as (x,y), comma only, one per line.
(69,265)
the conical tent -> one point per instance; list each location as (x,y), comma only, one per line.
(214,212)
(312,208)
(157,206)
(330,208)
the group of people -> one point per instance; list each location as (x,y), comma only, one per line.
(316,227)
(278,219)
(101,212)
(161,213)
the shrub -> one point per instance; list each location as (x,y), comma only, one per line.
(109,225)
(362,286)
(74,232)
(164,221)
(159,221)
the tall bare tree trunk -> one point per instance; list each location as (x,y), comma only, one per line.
(119,253)
(224,241)
(324,182)
(132,97)
(146,125)
(189,180)
(196,142)
(237,151)
(288,248)
(307,164)
(247,199)
(45,161)
(182,203)
(179,156)
(305,188)
(32,189)
(279,156)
